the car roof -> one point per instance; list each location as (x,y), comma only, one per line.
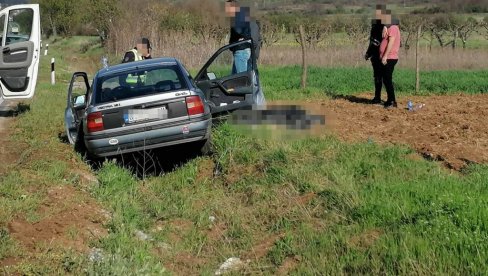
(137,64)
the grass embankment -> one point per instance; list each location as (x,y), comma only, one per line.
(307,206)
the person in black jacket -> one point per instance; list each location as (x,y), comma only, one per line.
(373,52)
(240,30)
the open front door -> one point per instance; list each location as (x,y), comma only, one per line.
(19,50)
(228,78)
(76,105)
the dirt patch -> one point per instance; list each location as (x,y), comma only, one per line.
(262,248)
(185,264)
(205,170)
(217,232)
(366,239)
(9,262)
(306,198)
(69,219)
(288,265)
(449,129)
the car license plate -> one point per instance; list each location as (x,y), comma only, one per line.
(138,115)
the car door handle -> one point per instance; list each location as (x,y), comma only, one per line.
(6,50)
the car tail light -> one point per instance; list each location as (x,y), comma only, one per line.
(94,122)
(194,105)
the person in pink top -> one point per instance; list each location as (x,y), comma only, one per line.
(389,48)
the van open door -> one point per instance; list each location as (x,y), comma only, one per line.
(19,50)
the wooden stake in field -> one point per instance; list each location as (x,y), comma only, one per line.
(417,65)
(304,58)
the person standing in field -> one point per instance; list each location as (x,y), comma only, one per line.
(373,52)
(240,30)
(244,27)
(389,49)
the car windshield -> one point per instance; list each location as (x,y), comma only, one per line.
(139,82)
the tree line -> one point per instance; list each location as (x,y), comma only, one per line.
(116,21)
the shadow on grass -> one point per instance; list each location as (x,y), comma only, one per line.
(154,162)
(9,111)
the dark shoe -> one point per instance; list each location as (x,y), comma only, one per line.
(375,101)
(391,105)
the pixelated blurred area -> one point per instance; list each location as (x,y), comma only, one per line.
(233,7)
(280,120)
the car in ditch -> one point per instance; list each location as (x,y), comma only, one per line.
(155,103)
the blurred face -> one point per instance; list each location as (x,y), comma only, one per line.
(231,9)
(386,19)
(142,49)
(378,14)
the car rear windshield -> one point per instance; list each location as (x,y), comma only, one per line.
(138,83)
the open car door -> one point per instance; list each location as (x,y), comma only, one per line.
(19,50)
(76,105)
(226,88)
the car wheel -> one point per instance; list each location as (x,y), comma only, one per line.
(206,146)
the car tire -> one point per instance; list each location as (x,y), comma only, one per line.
(206,146)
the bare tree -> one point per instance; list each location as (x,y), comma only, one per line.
(272,32)
(357,30)
(410,26)
(484,27)
(467,27)
(314,32)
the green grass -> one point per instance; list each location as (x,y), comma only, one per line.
(284,82)
(332,207)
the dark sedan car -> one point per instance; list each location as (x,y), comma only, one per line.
(154,103)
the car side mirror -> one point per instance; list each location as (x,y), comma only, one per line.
(211,76)
(79,101)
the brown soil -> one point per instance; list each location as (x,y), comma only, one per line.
(205,170)
(262,248)
(450,129)
(288,265)
(366,239)
(69,219)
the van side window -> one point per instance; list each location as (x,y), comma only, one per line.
(19,25)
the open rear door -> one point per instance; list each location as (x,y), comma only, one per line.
(224,86)
(19,50)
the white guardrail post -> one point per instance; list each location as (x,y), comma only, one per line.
(53,74)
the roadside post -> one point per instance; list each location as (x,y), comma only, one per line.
(53,74)
(45,51)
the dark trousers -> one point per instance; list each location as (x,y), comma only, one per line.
(383,74)
(378,79)
(388,79)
